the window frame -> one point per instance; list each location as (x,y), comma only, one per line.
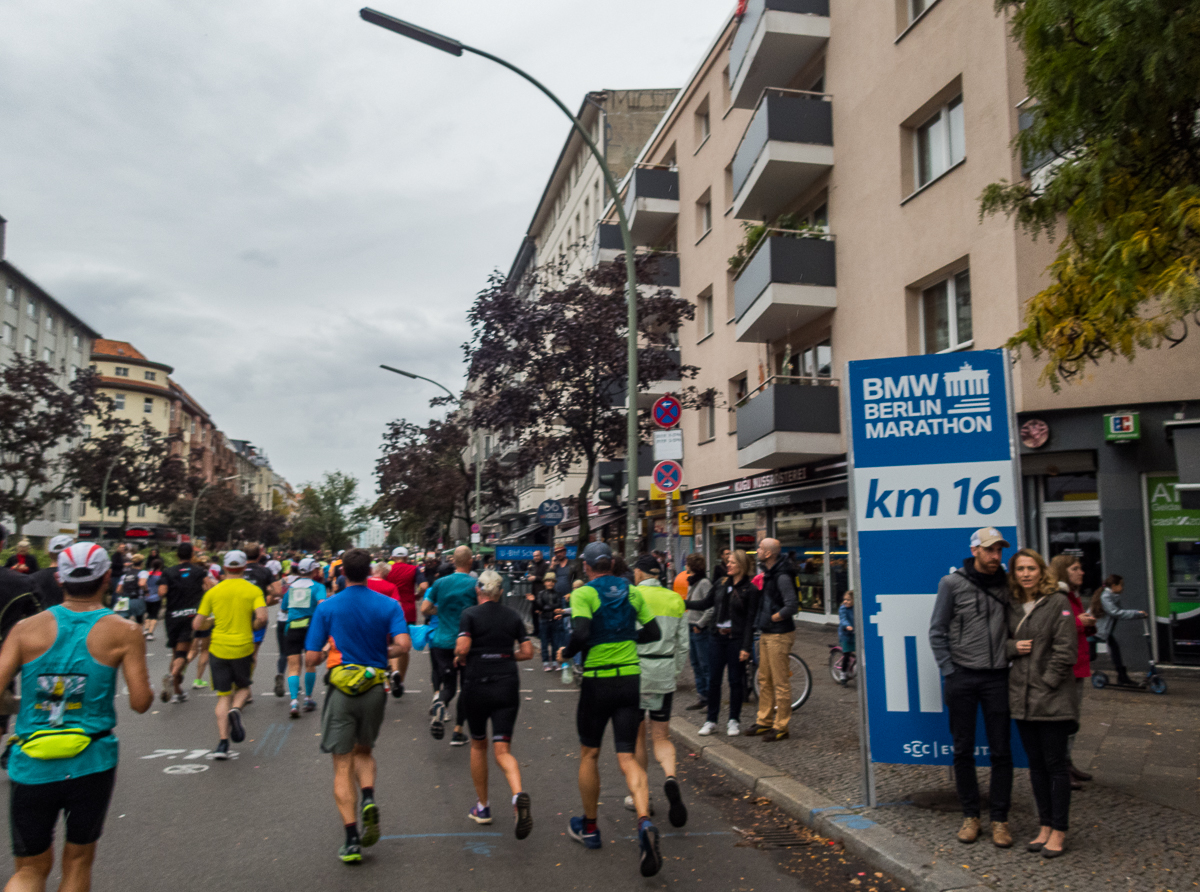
(945,116)
(120,371)
(148,405)
(119,401)
(951,298)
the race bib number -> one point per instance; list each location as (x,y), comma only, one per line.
(122,605)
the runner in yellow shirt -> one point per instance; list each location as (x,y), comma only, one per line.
(233,609)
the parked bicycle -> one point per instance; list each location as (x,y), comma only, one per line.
(802,681)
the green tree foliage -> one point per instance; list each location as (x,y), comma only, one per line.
(223,516)
(1114,90)
(329,511)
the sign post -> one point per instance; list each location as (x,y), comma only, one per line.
(932,458)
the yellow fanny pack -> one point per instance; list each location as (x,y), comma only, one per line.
(353,680)
(57,743)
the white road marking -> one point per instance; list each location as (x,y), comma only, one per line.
(194,768)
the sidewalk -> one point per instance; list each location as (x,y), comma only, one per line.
(1135,827)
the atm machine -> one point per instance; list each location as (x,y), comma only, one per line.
(1183,587)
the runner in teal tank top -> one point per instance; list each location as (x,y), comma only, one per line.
(64,754)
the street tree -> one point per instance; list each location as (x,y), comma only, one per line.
(38,417)
(329,511)
(222,516)
(1114,89)
(547,365)
(425,481)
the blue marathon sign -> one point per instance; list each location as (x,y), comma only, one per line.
(933,459)
(525,552)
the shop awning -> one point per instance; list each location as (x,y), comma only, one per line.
(600,520)
(1186,436)
(749,501)
(515,538)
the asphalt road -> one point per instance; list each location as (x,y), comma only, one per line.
(267,821)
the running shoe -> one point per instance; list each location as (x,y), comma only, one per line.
(221,753)
(397,684)
(651,857)
(438,726)
(481,814)
(677,814)
(168,685)
(548,667)
(199,683)
(309,704)
(629,806)
(576,830)
(523,818)
(433,706)
(279,687)
(237,731)
(350,853)
(458,738)
(181,697)
(370,823)
(733,728)
(294,709)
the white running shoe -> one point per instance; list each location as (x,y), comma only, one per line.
(733,729)
(629,806)
(707,728)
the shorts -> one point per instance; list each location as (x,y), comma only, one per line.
(658,705)
(152,608)
(294,643)
(347,722)
(230,674)
(497,699)
(846,643)
(617,698)
(179,632)
(34,809)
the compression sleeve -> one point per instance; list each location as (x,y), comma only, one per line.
(649,632)
(581,631)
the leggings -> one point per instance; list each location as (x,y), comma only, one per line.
(281,639)
(1049,769)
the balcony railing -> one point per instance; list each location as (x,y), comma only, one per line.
(786,282)
(789,420)
(773,42)
(651,201)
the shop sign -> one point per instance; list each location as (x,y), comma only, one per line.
(1122,426)
(525,552)
(932,460)
(686,526)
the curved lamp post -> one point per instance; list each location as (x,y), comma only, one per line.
(196,502)
(457,48)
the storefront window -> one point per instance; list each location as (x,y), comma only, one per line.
(839,560)
(1078,537)
(802,540)
(1072,487)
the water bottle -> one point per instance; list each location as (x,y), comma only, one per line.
(567,675)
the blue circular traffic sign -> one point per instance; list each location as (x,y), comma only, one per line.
(668,475)
(666,411)
(550,513)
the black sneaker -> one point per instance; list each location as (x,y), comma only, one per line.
(279,689)
(524,820)
(237,731)
(438,726)
(397,685)
(350,853)
(168,688)
(370,823)
(458,738)
(221,753)
(650,858)
(678,813)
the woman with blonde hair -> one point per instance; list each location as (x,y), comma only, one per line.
(1041,692)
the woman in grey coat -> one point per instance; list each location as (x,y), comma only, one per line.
(1043,645)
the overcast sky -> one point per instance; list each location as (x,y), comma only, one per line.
(275,197)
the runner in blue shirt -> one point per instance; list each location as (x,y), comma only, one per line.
(447,599)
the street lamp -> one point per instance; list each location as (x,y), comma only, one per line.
(196,502)
(457,48)
(478,463)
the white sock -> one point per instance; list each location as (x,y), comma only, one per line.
(515,795)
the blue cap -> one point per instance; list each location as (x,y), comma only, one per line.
(595,551)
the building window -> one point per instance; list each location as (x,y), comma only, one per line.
(916,7)
(66,510)
(121,371)
(148,405)
(10,295)
(119,401)
(141,512)
(30,347)
(815,361)
(706,312)
(708,426)
(75,341)
(49,323)
(47,356)
(703,124)
(940,142)
(151,376)
(946,314)
(10,335)
(30,309)
(87,431)
(704,214)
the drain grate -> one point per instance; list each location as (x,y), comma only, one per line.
(783,838)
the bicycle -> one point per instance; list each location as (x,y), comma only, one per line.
(842,666)
(802,682)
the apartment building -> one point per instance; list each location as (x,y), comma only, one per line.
(855,139)
(564,228)
(35,325)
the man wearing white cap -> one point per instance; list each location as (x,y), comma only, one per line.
(406,576)
(968,633)
(68,658)
(234,609)
(45,581)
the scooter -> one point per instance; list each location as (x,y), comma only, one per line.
(1153,682)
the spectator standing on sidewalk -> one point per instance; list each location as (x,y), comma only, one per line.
(968,633)
(777,633)
(1068,570)
(1041,692)
(698,621)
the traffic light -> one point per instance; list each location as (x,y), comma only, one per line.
(612,482)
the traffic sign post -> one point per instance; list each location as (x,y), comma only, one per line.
(550,513)
(668,476)
(667,411)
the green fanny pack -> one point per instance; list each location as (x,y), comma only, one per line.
(352,679)
(302,623)
(57,743)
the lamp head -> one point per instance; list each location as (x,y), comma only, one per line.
(414,32)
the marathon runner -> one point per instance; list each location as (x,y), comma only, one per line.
(199,651)
(409,582)
(662,661)
(232,609)
(447,599)
(368,628)
(377,582)
(299,603)
(604,617)
(183,586)
(17,601)
(260,574)
(45,581)
(68,658)
(290,575)
(492,690)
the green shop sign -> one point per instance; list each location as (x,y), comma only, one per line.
(1122,426)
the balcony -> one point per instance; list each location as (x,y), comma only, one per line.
(616,392)
(607,245)
(789,421)
(786,283)
(786,147)
(651,203)
(666,271)
(773,42)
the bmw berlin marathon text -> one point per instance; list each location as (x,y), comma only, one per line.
(932,461)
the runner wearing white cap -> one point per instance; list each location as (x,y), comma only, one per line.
(45,582)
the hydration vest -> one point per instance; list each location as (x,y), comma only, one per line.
(615,620)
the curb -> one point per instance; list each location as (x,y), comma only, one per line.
(875,844)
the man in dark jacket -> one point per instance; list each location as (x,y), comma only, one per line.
(968,633)
(777,632)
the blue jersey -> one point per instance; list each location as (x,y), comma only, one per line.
(301,600)
(362,624)
(451,595)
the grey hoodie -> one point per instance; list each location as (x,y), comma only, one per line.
(969,624)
